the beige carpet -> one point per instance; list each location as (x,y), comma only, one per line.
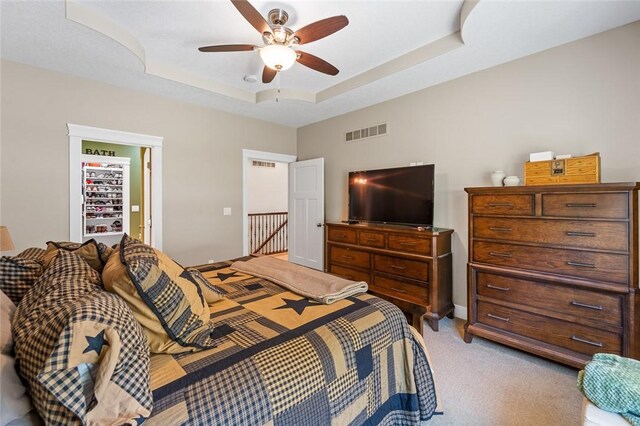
(485,383)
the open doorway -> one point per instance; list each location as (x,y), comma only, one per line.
(98,147)
(265,202)
(267,185)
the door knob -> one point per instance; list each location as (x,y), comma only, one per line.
(319,225)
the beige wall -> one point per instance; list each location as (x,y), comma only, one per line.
(267,188)
(578,98)
(202,158)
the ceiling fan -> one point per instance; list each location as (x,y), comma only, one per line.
(281,43)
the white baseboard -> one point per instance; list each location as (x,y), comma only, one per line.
(460,312)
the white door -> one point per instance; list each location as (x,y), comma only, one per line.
(306,213)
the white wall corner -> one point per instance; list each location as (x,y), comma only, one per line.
(460,312)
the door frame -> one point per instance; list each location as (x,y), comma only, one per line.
(247,155)
(146,199)
(78,133)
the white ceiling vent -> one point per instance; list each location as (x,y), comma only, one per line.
(366,133)
(257,163)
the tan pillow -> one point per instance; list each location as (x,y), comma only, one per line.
(88,251)
(162,296)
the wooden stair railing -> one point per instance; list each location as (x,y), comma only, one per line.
(268,232)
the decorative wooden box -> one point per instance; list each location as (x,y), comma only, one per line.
(568,171)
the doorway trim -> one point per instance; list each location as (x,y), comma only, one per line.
(248,154)
(78,133)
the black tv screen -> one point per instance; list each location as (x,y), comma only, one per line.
(402,195)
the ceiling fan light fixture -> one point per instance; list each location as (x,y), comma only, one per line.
(278,57)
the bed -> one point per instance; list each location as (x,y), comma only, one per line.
(279,358)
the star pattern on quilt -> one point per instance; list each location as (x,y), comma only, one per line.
(96,343)
(221,276)
(297,305)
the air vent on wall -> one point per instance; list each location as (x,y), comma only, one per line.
(366,133)
(257,163)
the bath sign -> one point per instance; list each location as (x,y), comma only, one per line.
(104,152)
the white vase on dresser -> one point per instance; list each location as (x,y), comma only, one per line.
(496,177)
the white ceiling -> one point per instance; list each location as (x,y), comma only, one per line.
(390,47)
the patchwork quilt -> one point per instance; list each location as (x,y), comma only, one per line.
(280,358)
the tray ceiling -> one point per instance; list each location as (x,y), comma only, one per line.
(389,48)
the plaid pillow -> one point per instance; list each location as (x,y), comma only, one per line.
(17,275)
(82,353)
(34,253)
(90,251)
(163,296)
(210,293)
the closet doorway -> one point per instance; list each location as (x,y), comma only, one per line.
(143,212)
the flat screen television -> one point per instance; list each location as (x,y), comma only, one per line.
(402,195)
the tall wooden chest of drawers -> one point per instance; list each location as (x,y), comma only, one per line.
(553,270)
(411,268)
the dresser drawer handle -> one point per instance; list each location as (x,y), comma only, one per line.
(582,265)
(370,240)
(349,277)
(495,287)
(588,342)
(498,318)
(504,255)
(499,229)
(399,268)
(407,244)
(581,205)
(585,305)
(500,204)
(580,234)
(344,256)
(341,235)
(399,290)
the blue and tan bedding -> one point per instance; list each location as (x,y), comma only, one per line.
(272,356)
(285,359)
(83,355)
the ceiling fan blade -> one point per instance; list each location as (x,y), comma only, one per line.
(315,63)
(320,29)
(252,16)
(228,48)
(268,74)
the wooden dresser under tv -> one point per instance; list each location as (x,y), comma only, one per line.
(553,270)
(407,266)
